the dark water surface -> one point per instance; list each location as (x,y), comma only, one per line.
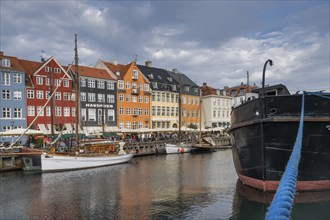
(187,186)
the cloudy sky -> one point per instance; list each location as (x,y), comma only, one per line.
(210,41)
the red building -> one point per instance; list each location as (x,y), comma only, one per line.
(42,80)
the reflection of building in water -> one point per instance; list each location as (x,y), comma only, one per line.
(175,185)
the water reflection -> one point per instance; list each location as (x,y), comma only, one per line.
(250,203)
(188,186)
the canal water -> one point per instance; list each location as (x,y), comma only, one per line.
(185,186)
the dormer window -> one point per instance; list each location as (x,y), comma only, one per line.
(5,62)
(151,76)
(186,88)
(169,79)
(159,77)
(117,72)
(48,69)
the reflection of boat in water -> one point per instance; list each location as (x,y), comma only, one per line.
(264,130)
(177,148)
(250,203)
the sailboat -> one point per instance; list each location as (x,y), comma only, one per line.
(80,158)
(205,144)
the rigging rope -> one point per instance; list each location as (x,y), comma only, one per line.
(281,206)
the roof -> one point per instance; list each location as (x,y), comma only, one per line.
(158,75)
(30,67)
(117,67)
(184,81)
(91,72)
(14,63)
(208,90)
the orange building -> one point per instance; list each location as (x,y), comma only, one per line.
(133,95)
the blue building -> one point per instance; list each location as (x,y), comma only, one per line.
(12,101)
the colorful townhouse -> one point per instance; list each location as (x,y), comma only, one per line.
(133,95)
(50,102)
(190,100)
(164,98)
(97,98)
(12,102)
(216,107)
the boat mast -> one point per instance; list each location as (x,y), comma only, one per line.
(179,108)
(76,91)
(200,117)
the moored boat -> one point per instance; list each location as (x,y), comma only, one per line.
(177,148)
(263,132)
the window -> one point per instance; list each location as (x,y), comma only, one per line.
(57,96)
(83,96)
(146,99)
(184,113)
(100,84)
(135,74)
(163,97)
(120,84)
(82,83)
(66,111)
(48,111)
(101,98)
(133,98)
(5,62)
(91,97)
(39,80)
(66,96)
(128,85)
(48,69)
(128,111)
(121,125)
(121,110)
(6,94)
(6,79)
(17,78)
(47,81)
(146,87)
(172,111)
(47,94)
(17,95)
(30,94)
(66,83)
(40,94)
(167,97)
(140,111)
(140,86)
(128,98)
(39,109)
(57,70)
(153,110)
(91,114)
(140,99)
(6,112)
(158,111)
(30,111)
(146,111)
(128,125)
(167,111)
(163,110)
(111,98)
(121,97)
(91,83)
(58,111)
(57,82)
(73,111)
(111,114)
(83,114)
(135,111)
(111,85)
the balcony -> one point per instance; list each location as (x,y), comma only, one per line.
(134,78)
(135,91)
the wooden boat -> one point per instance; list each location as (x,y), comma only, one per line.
(264,129)
(205,145)
(177,148)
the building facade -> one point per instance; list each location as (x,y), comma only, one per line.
(164,97)
(216,107)
(50,102)
(12,103)
(97,98)
(133,95)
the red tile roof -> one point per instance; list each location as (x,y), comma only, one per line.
(92,72)
(14,63)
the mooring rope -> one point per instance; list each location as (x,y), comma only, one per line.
(281,206)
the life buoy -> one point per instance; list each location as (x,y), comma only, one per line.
(112,148)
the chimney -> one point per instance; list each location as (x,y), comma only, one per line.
(149,63)
(204,84)
(115,62)
(175,70)
(1,53)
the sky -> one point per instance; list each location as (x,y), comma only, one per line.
(216,42)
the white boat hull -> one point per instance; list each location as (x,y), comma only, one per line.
(176,149)
(64,163)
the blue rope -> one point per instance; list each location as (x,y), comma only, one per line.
(281,206)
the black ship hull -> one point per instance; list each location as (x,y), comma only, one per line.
(263,134)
